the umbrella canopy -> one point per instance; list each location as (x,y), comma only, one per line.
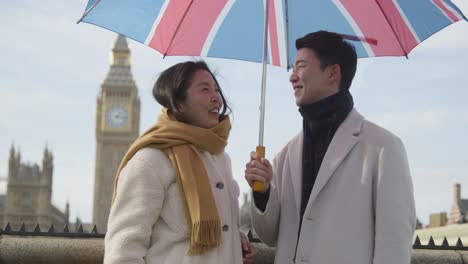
(234,28)
(265,31)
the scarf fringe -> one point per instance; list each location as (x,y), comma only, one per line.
(205,235)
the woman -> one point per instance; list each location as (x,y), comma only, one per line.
(175,200)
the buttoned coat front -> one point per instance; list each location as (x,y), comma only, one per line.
(147,222)
(361,209)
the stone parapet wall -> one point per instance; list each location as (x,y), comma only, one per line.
(64,250)
(51,250)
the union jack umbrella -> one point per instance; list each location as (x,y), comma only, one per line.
(265,31)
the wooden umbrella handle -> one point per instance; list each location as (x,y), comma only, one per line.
(259,186)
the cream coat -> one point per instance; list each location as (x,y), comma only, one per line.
(147,222)
(361,209)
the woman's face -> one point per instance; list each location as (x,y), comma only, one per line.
(203,102)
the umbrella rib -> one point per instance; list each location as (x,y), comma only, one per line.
(393,30)
(89,10)
(177,29)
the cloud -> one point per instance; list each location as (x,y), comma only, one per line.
(416,120)
(429,119)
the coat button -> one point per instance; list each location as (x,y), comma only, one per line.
(225,228)
(219,185)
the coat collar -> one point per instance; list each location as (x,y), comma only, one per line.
(346,136)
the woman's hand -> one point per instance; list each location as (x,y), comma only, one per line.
(248,250)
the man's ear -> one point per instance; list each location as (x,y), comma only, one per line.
(335,73)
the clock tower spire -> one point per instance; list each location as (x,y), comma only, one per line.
(117,126)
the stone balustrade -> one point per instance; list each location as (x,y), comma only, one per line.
(88,250)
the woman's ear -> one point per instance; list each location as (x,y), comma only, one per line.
(177,107)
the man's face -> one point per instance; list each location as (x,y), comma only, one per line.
(309,81)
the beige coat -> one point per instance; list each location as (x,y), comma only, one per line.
(147,223)
(361,209)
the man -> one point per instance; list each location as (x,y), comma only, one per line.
(340,191)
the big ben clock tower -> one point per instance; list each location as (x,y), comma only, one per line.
(117,126)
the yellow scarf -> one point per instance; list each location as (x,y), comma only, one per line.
(180,141)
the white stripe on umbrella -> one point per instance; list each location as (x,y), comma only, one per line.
(270,54)
(269,50)
(408,24)
(214,30)
(280,29)
(357,30)
(447,10)
(156,22)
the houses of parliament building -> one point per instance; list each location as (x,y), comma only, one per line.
(29,188)
(29,194)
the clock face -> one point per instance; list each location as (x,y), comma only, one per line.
(116,117)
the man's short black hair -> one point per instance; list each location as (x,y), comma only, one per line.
(330,48)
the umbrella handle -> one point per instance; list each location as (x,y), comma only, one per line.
(259,186)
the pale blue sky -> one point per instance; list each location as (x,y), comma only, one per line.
(52,68)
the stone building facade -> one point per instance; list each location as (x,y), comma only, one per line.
(459,212)
(437,219)
(117,126)
(28,198)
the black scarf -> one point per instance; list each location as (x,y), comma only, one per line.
(320,122)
